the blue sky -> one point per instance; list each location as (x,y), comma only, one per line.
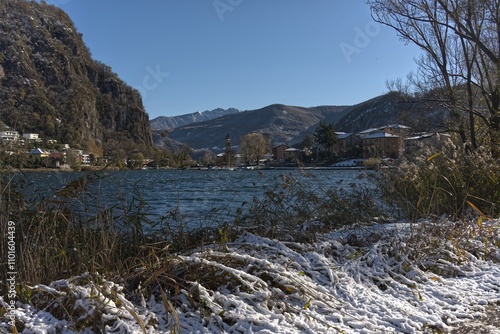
(193,55)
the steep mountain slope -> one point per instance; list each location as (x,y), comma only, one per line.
(284,124)
(52,86)
(172,122)
(166,143)
(379,111)
(393,108)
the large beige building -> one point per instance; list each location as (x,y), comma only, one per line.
(382,145)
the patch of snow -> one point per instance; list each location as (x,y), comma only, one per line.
(287,287)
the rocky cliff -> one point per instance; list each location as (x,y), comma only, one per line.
(50,84)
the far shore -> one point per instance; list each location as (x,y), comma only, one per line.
(45,169)
(112,168)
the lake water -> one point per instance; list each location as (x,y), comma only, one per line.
(194,196)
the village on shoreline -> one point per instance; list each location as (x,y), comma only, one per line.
(368,149)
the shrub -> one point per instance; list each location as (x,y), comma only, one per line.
(373,163)
(294,211)
(452,181)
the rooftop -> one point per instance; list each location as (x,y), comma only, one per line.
(381,135)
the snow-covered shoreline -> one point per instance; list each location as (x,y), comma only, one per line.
(350,281)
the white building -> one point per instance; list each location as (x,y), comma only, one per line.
(31,136)
(9,135)
(85,158)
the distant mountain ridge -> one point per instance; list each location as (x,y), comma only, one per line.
(375,112)
(394,108)
(172,122)
(290,124)
(284,124)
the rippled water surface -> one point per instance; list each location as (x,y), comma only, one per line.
(193,195)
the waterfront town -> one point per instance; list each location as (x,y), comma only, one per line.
(349,150)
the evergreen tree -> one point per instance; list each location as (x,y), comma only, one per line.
(325,135)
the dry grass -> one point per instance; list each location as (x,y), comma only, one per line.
(452,182)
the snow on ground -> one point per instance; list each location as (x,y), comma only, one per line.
(350,281)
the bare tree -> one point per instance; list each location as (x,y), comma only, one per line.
(208,158)
(253,147)
(460,63)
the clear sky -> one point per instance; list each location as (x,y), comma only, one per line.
(194,55)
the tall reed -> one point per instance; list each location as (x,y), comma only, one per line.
(70,232)
(451,181)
